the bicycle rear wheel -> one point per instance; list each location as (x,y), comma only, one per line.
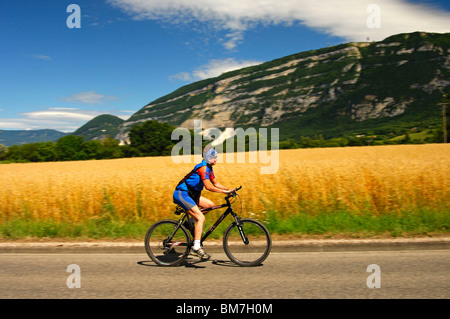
(166,245)
(254,250)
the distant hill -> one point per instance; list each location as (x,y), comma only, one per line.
(100,127)
(20,137)
(334,91)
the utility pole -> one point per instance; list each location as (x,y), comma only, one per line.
(444,120)
(444,102)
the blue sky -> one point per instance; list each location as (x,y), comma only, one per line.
(128,53)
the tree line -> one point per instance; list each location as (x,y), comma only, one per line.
(152,138)
(148,139)
(67,148)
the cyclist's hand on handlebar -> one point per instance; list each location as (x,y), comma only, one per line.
(232,192)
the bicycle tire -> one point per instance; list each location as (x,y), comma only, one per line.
(161,252)
(255,251)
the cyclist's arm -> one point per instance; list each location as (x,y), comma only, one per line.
(209,181)
(218,185)
(212,188)
(213,180)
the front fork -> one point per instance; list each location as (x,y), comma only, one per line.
(241,230)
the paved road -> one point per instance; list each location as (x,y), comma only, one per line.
(338,274)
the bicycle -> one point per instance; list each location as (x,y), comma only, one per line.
(246,241)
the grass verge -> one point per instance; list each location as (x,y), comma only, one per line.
(422,222)
(339,223)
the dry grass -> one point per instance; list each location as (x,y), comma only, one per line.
(378,180)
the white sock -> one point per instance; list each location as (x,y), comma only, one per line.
(196,244)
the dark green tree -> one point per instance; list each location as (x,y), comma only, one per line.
(90,150)
(3,150)
(69,148)
(151,138)
(110,148)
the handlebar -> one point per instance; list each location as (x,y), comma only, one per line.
(233,192)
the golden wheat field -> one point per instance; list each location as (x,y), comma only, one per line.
(377,179)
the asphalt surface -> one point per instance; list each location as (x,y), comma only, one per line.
(330,269)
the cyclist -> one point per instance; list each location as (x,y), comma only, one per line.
(187,194)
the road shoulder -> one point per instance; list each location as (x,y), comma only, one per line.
(278,245)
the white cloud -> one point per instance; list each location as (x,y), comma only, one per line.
(12,124)
(41,57)
(61,119)
(89,97)
(39,124)
(62,114)
(213,68)
(182,76)
(233,39)
(342,18)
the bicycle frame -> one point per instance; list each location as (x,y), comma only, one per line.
(221,218)
(211,229)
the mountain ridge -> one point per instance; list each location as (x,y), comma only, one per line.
(349,83)
(334,91)
(20,137)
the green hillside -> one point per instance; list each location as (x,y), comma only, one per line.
(418,81)
(99,127)
(353,88)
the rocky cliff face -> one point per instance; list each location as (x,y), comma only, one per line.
(359,81)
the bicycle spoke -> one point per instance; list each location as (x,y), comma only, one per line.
(255,250)
(165,246)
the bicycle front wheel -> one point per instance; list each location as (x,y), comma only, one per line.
(249,247)
(167,244)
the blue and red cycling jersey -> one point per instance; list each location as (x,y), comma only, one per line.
(194,182)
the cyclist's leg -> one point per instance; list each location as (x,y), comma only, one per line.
(200,220)
(197,250)
(184,200)
(204,202)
